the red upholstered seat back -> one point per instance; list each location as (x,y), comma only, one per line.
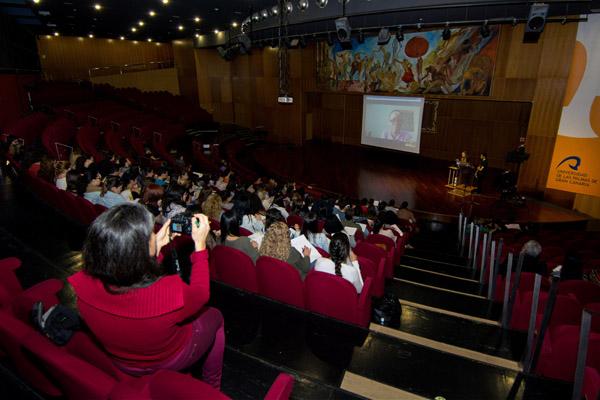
(585,292)
(280,281)
(234,268)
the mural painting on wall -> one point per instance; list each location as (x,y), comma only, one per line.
(423,63)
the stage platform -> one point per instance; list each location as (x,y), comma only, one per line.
(358,172)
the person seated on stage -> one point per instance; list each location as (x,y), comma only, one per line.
(310,229)
(343,262)
(276,244)
(231,237)
(481,172)
(145,319)
(464,158)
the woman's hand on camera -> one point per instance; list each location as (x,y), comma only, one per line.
(200,229)
(162,236)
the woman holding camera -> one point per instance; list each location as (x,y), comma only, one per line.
(147,320)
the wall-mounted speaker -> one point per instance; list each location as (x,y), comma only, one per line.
(342,27)
(535,22)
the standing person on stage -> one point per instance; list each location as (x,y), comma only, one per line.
(481,171)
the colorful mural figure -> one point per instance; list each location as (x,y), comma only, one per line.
(423,63)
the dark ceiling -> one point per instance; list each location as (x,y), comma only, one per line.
(116,17)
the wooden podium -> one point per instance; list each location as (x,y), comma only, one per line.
(460,182)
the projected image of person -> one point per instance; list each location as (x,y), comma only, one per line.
(396,130)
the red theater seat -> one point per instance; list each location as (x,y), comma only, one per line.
(335,297)
(369,269)
(585,292)
(234,268)
(389,245)
(280,281)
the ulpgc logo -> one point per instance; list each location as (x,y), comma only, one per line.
(573,165)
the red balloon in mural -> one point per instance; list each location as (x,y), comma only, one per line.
(416,47)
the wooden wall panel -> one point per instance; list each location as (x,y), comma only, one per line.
(183,55)
(70,58)
(153,80)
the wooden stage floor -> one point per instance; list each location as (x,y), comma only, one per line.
(360,172)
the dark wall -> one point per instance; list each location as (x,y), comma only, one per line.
(18,48)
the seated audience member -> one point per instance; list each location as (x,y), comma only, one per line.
(76,183)
(174,202)
(252,219)
(276,243)
(131,190)
(572,268)
(110,195)
(348,219)
(531,258)
(310,229)
(152,198)
(278,205)
(61,169)
(333,225)
(404,213)
(93,189)
(391,206)
(273,215)
(230,235)
(380,228)
(212,206)
(161,177)
(138,313)
(343,261)
(223,181)
(47,170)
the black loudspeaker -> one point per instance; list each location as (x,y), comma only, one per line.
(342,27)
(535,22)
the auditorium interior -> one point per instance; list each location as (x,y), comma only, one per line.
(300,199)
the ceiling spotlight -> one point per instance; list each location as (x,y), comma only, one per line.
(400,34)
(36,1)
(256,17)
(149,39)
(264,14)
(133,29)
(97,6)
(151,13)
(303,5)
(485,29)
(446,33)
(196,35)
(165,2)
(141,23)
(216,31)
(274,10)
(56,33)
(122,38)
(234,24)
(383,37)
(321,3)
(48,37)
(180,27)
(91,35)
(361,37)
(288,7)
(196,19)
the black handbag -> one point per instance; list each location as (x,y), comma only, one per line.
(387,310)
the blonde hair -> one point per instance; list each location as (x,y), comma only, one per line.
(276,242)
(212,206)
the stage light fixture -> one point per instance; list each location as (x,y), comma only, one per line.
(36,1)
(234,24)
(180,27)
(536,22)
(303,5)
(400,34)
(97,6)
(216,31)
(141,23)
(383,37)
(149,39)
(485,29)
(197,20)
(91,35)
(343,29)
(288,7)
(122,38)
(133,29)
(165,2)
(264,14)
(446,33)
(321,3)
(361,37)
(274,10)
(56,34)
(255,17)
(152,13)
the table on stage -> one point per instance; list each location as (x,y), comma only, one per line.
(460,179)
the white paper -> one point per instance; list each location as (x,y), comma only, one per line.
(257,237)
(300,242)
(363,227)
(513,226)
(350,230)
(376,203)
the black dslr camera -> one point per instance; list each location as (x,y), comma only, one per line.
(182,223)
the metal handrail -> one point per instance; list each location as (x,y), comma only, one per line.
(125,68)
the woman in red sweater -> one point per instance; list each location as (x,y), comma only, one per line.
(145,319)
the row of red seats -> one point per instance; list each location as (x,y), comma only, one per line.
(81,369)
(320,292)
